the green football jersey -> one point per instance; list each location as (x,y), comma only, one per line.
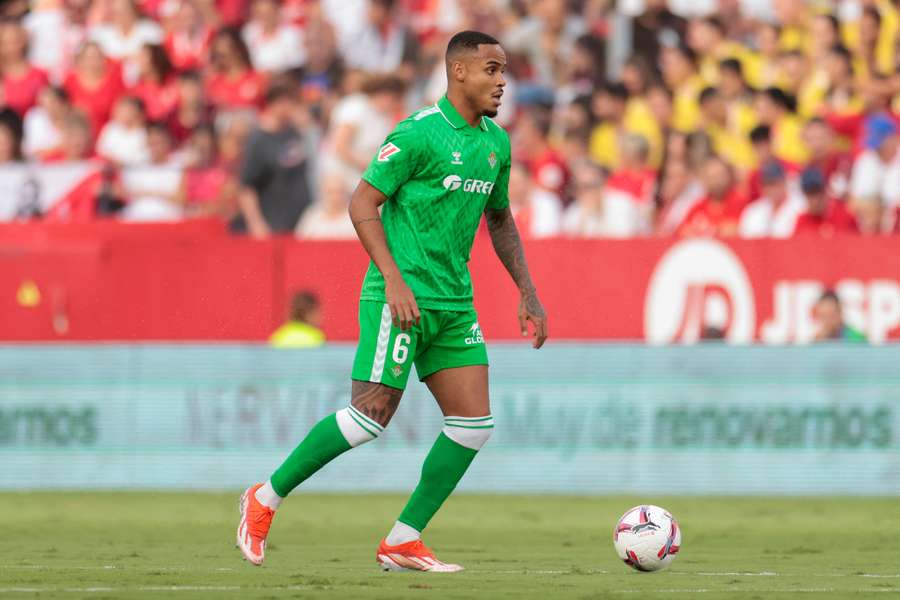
(439,174)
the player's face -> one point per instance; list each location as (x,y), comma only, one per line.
(484,80)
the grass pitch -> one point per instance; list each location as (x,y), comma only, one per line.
(181,545)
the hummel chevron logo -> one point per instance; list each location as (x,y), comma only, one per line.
(387,151)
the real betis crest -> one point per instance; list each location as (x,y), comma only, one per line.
(492,159)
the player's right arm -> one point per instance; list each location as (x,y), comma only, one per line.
(393,165)
(364,214)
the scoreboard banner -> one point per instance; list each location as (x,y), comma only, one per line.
(573,419)
(190,281)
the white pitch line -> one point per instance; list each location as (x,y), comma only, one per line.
(108,568)
(283,588)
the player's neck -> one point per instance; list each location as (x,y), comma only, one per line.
(469,114)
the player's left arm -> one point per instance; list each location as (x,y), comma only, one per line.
(508,246)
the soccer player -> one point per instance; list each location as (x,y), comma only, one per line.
(434,177)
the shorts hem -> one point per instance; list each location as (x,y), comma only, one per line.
(473,362)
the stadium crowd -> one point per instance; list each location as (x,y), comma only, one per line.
(752,118)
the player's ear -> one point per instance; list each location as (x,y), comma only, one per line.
(458,70)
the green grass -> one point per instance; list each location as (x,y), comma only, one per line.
(181,545)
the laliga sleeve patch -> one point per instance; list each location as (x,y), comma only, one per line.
(387,151)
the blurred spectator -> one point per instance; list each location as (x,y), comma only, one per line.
(233,83)
(824,155)
(823,216)
(679,70)
(124,139)
(188,38)
(538,212)
(608,109)
(777,110)
(657,27)
(775,214)
(546,37)
(56,30)
(191,109)
(94,85)
(737,96)
(207,188)
(327,218)
(829,318)
(10,137)
(76,143)
(761,141)
(274,44)
(156,86)
(678,193)
(382,44)
(707,37)
(718,212)
(628,196)
(124,35)
(359,124)
(152,188)
(727,141)
(324,65)
(762,65)
(584,216)
(531,145)
(302,327)
(275,172)
(875,173)
(22,82)
(45,122)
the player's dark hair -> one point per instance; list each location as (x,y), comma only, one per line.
(760,134)
(468,41)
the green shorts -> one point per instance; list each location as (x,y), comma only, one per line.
(442,340)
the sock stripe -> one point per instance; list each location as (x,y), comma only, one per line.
(487,418)
(363,425)
(470,426)
(366,419)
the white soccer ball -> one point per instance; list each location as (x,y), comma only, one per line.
(647,538)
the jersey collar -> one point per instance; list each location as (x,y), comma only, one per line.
(452,116)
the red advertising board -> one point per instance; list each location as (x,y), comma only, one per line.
(177,282)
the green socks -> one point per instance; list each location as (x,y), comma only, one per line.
(328,439)
(443,468)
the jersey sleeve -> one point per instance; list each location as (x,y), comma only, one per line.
(499,198)
(396,160)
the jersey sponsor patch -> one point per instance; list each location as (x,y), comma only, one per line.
(387,151)
(477,186)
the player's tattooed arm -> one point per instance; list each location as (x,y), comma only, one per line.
(365,218)
(508,246)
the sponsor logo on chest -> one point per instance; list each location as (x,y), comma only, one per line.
(474,186)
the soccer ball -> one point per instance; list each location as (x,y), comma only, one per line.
(647,538)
